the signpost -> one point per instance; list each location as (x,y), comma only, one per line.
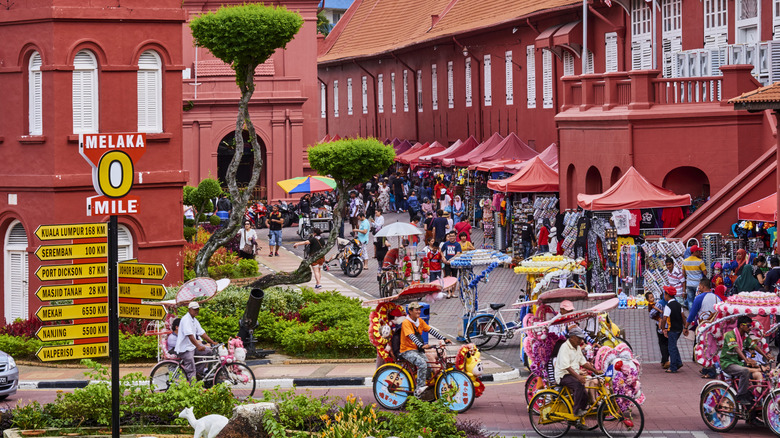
(143,311)
(74,311)
(78,331)
(73,291)
(76,351)
(70,252)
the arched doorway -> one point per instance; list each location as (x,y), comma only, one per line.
(688,179)
(616,174)
(16,296)
(593,181)
(571,180)
(225,151)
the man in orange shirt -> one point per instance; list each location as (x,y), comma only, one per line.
(412,344)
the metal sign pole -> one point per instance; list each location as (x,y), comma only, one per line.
(113,321)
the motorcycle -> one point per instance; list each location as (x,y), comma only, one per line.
(261,213)
(288,213)
(348,257)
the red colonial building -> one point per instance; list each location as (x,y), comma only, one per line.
(99,67)
(613,84)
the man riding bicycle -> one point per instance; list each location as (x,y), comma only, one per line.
(734,361)
(568,371)
(412,345)
(189,345)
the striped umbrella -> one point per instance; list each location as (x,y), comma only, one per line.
(307,184)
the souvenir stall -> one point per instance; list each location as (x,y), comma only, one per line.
(758,224)
(620,208)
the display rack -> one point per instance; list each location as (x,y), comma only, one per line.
(713,248)
(570,232)
(656,275)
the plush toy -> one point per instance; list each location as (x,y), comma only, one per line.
(631,302)
(469,361)
(622,301)
(388,315)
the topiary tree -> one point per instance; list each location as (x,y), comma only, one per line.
(200,197)
(350,162)
(243,36)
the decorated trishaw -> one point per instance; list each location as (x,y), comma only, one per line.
(718,406)
(455,377)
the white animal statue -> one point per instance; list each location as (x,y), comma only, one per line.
(206,427)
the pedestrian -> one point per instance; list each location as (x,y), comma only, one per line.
(694,270)
(464,227)
(656,310)
(247,244)
(355,207)
(675,276)
(428,226)
(703,305)
(773,276)
(398,193)
(364,227)
(527,235)
(380,243)
(751,277)
(672,327)
(275,222)
(189,344)
(440,224)
(458,210)
(543,236)
(314,244)
(414,205)
(433,260)
(463,239)
(450,249)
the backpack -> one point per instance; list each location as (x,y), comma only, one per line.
(395,343)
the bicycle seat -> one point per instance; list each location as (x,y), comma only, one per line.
(496,306)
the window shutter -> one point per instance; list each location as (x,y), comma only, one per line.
(364,93)
(85,93)
(450,87)
(149,93)
(335,98)
(509,75)
(380,94)
(323,98)
(349,96)
(568,63)
(434,88)
(670,45)
(530,65)
(547,95)
(611,52)
(392,92)
(419,92)
(774,63)
(589,63)
(488,73)
(17,297)
(641,54)
(468,82)
(406,91)
(36,95)
(715,23)
(124,243)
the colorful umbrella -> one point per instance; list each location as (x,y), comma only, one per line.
(307,184)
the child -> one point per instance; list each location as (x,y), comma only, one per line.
(433,260)
(465,245)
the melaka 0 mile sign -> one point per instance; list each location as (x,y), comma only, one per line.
(112,157)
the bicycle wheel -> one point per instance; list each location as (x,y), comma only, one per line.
(239,378)
(533,385)
(392,386)
(485,331)
(541,412)
(463,397)
(164,374)
(718,408)
(772,411)
(621,416)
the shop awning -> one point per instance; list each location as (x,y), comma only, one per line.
(570,36)
(632,190)
(476,154)
(536,177)
(411,152)
(325,139)
(495,165)
(413,159)
(509,148)
(545,40)
(550,156)
(763,210)
(464,148)
(402,147)
(428,159)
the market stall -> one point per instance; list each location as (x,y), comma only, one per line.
(510,147)
(465,160)
(413,159)
(402,147)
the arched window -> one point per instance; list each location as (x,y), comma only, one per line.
(149,92)
(85,93)
(16,276)
(35,85)
(124,243)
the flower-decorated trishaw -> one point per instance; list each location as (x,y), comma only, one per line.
(455,377)
(718,402)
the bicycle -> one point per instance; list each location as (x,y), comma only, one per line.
(720,411)
(487,329)
(237,375)
(552,415)
(391,281)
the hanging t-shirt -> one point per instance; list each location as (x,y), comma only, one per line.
(633,222)
(621,219)
(647,219)
(672,217)
(583,227)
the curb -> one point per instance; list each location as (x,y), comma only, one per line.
(268,383)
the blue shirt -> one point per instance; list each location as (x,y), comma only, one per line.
(698,306)
(365,225)
(449,249)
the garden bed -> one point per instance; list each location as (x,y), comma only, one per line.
(100,432)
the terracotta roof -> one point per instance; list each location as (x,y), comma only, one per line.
(215,67)
(768,94)
(364,30)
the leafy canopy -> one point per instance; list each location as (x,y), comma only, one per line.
(352,160)
(207,190)
(245,36)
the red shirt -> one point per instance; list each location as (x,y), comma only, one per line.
(544,236)
(463,227)
(433,260)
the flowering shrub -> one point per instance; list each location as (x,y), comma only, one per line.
(224,263)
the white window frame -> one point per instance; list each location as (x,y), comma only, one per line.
(451,86)
(380,93)
(589,64)
(611,52)
(715,23)
(323,101)
(406,91)
(487,69)
(364,92)
(509,78)
(547,79)
(17,301)
(124,243)
(349,96)
(641,36)
(434,88)
(776,19)
(35,95)
(85,93)
(335,98)
(530,63)
(742,25)
(671,35)
(392,92)
(568,63)
(469,97)
(150,101)
(419,92)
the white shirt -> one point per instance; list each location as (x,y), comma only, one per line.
(379,222)
(568,357)
(188,326)
(246,237)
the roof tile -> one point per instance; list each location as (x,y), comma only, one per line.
(768,94)
(215,67)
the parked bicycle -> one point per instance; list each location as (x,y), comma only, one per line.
(391,281)
(219,370)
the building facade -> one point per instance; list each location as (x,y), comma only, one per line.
(92,68)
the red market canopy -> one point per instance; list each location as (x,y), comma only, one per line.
(325,139)
(453,152)
(511,147)
(477,153)
(763,210)
(402,158)
(428,159)
(414,158)
(402,147)
(495,165)
(550,156)
(536,177)
(632,190)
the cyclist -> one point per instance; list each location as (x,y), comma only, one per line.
(173,336)
(412,345)
(189,345)
(734,361)
(568,371)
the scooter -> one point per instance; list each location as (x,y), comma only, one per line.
(348,257)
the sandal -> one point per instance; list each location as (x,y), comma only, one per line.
(671,372)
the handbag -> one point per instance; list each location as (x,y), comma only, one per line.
(248,248)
